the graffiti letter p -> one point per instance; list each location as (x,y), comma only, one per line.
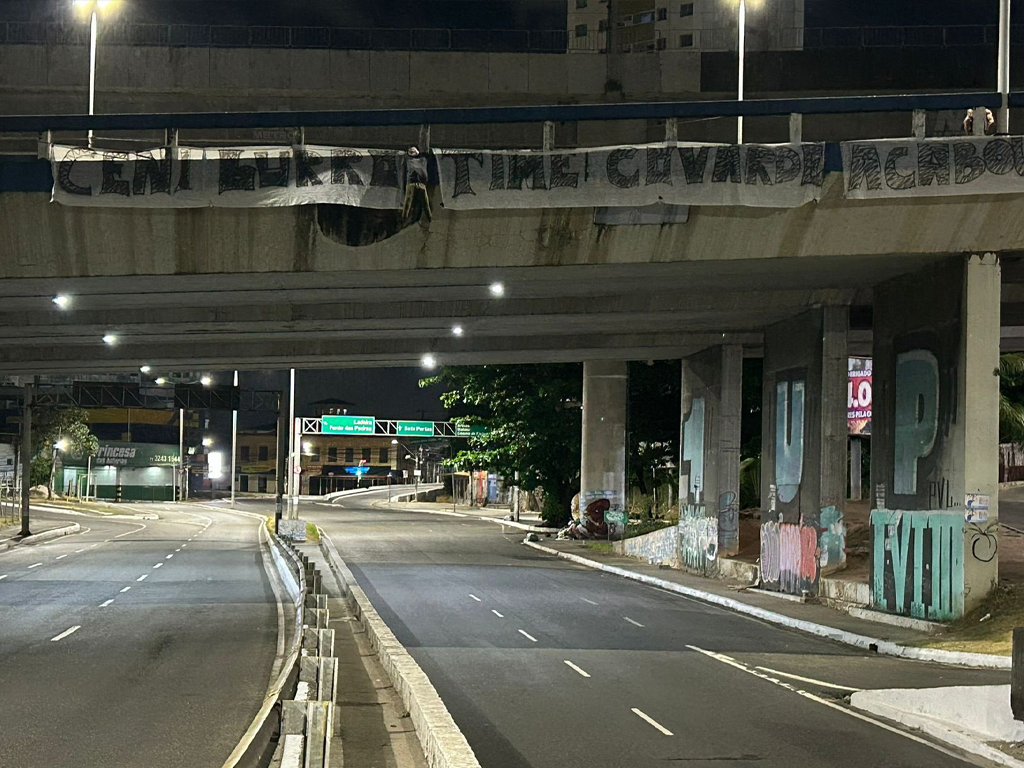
(916,417)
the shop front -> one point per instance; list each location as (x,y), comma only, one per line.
(122,471)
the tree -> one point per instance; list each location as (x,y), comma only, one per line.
(532,413)
(50,426)
(654,413)
(1011,398)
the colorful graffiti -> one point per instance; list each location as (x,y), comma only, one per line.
(728,522)
(698,540)
(693,448)
(658,548)
(916,419)
(789,438)
(917,567)
(789,558)
(832,540)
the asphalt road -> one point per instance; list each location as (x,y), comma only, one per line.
(135,643)
(551,665)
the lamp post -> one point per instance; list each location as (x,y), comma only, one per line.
(411,454)
(1003,68)
(93,8)
(742,61)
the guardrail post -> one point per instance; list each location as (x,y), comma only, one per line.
(796,128)
(980,121)
(918,123)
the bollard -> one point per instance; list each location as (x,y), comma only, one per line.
(327,679)
(316,602)
(1017,675)
(318,733)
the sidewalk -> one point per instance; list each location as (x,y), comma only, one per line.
(527,522)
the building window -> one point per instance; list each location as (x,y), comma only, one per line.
(367,453)
(332,455)
(349,453)
(643,18)
(315,454)
(686,41)
(581,30)
(686,9)
(245,453)
(581,3)
(662,14)
(264,453)
(383,457)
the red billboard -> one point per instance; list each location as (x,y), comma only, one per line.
(858,396)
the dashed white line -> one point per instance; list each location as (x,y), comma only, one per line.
(497,614)
(810,680)
(476,598)
(169,556)
(528,636)
(125,590)
(34,565)
(65,633)
(108,602)
(79,551)
(634,623)
(178,549)
(588,601)
(651,721)
(142,577)
(576,669)
(3,577)
(158,565)
(61,557)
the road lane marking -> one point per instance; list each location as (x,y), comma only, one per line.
(61,557)
(142,577)
(142,527)
(104,605)
(576,669)
(476,598)
(588,601)
(169,557)
(810,680)
(35,565)
(824,702)
(158,565)
(178,549)
(79,551)
(3,577)
(65,633)
(125,590)
(528,636)
(634,623)
(651,721)
(93,546)
(497,614)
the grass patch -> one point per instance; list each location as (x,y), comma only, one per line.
(600,546)
(646,526)
(312,533)
(1005,608)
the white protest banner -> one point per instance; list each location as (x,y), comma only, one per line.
(775,176)
(235,177)
(984,165)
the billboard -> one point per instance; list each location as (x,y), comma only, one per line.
(858,396)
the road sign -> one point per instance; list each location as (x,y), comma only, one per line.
(348,425)
(615,517)
(415,428)
(471,430)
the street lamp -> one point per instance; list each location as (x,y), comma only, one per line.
(742,62)
(62,300)
(92,7)
(1003,68)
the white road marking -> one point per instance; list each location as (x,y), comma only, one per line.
(142,577)
(169,557)
(824,702)
(588,601)
(497,614)
(61,557)
(79,551)
(158,565)
(528,636)
(65,633)
(125,590)
(476,598)
(142,527)
(634,623)
(185,545)
(178,549)
(3,577)
(93,546)
(576,669)
(104,605)
(35,565)
(652,721)
(810,680)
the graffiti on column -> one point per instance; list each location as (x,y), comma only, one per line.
(693,448)
(916,422)
(698,539)
(789,558)
(728,522)
(832,541)
(917,567)
(789,438)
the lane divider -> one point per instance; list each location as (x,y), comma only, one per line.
(576,669)
(65,633)
(651,721)
(528,636)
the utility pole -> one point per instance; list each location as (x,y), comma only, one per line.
(282,462)
(291,445)
(182,477)
(1003,69)
(26,459)
(234,444)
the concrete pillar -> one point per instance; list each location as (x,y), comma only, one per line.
(803,454)
(603,463)
(935,439)
(712,389)
(26,461)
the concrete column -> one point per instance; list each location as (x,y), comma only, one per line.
(603,463)
(26,460)
(803,457)
(710,452)
(934,457)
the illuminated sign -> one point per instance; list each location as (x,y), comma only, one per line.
(348,425)
(858,396)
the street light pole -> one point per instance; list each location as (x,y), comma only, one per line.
(93,28)
(234,444)
(742,61)
(1003,73)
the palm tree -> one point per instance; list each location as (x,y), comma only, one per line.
(1011,398)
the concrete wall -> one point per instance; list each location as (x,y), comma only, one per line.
(657,548)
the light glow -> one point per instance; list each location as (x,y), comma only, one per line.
(429,361)
(497,289)
(110,339)
(62,300)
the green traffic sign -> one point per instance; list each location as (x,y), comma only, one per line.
(415,428)
(348,425)
(471,430)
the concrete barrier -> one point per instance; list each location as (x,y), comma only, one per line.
(53,533)
(443,744)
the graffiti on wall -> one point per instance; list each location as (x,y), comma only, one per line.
(789,558)
(789,438)
(832,540)
(917,563)
(698,539)
(728,522)
(657,548)
(693,448)
(916,417)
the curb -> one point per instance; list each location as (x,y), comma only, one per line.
(498,520)
(884,647)
(53,533)
(443,743)
(937,731)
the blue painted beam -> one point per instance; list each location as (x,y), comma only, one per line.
(477,115)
